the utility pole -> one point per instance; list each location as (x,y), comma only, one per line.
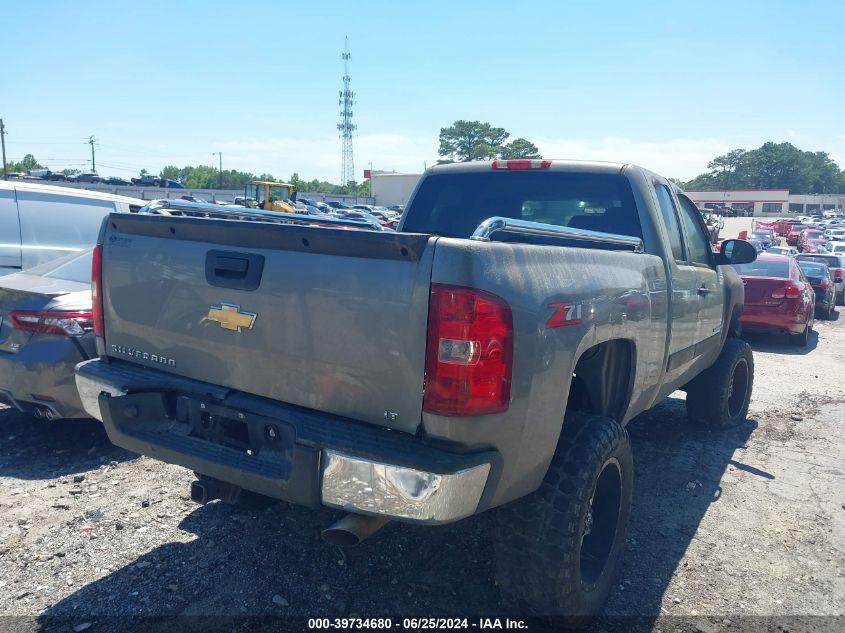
(93,163)
(220,171)
(3,143)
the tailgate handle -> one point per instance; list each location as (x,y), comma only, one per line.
(232,267)
(229,269)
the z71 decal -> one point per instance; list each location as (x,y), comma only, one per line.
(564,314)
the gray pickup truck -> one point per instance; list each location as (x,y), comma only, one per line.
(486,355)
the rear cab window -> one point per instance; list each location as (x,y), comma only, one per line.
(831,261)
(813,269)
(454,204)
(77,269)
(764,268)
(73,267)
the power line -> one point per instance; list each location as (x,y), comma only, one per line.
(24,142)
(16,159)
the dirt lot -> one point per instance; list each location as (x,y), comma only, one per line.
(727,526)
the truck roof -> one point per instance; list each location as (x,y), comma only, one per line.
(592,166)
(67,191)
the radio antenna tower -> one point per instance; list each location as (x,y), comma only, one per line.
(346,127)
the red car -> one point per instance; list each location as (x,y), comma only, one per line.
(793,234)
(809,234)
(783,225)
(778,298)
(815,245)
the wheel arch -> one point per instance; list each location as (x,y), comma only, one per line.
(603,379)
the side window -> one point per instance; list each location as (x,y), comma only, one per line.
(698,242)
(670,220)
(53,225)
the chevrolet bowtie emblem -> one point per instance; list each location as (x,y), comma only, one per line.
(230,317)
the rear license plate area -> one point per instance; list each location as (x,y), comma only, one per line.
(239,430)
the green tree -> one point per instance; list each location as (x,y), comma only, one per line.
(202,177)
(28,162)
(171,172)
(726,167)
(772,166)
(519,148)
(471,140)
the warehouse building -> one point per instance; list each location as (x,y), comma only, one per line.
(764,202)
(390,188)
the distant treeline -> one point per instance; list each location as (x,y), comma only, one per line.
(772,166)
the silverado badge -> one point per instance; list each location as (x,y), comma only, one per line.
(230,317)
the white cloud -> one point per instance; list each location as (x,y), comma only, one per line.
(682,158)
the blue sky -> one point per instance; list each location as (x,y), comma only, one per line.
(668,85)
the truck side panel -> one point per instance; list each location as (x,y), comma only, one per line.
(616,296)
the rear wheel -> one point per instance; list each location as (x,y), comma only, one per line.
(800,340)
(558,549)
(719,396)
(840,298)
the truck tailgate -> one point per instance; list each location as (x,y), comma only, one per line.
(340,316)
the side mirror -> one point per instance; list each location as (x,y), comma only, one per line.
(736,252)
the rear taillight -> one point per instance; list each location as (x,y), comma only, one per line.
(788,291)
(521,163)
(825,283)
(59,322)
(838,274)
(96,289)
(470,352)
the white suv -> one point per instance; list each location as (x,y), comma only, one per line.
(39,223)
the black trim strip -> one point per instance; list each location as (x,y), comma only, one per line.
(242,234)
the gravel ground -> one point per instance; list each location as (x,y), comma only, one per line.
(728,528)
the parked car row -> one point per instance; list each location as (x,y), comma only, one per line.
(92,177)
(790,285)
(385,217)
(810,236)
(728,211)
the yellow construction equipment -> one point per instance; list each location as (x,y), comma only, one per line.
(271,196)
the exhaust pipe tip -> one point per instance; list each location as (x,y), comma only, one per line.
(353,529)
(340,537)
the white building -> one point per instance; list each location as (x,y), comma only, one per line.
(769,201)
(389,188)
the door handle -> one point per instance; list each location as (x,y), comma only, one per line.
(704,290)
(229,269)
